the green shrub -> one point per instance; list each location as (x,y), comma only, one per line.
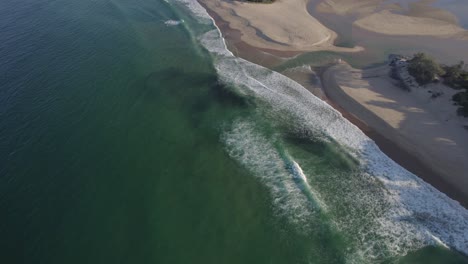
(424,69)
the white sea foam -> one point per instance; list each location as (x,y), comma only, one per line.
(173,22)
(258,154)
(415,215)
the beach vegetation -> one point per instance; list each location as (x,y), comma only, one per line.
(424,68)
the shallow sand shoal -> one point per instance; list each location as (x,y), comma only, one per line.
(284,25)
(425,127)
(386,22)
(344,7)
(404,18)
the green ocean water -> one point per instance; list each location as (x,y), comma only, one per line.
(113,130)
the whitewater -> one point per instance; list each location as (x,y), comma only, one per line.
(402,212)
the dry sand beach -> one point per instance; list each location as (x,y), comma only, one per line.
(423,135)
(426,127)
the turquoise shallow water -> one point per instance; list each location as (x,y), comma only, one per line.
(119,143)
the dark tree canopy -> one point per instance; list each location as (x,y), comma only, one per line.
(424,69)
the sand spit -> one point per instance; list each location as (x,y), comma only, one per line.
(284,25)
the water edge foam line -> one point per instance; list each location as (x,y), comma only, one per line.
(418,210)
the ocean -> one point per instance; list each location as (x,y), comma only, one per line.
(130,134)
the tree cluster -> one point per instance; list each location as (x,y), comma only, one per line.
(425,70)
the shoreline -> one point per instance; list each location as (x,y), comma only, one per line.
(390,142)
(390,147)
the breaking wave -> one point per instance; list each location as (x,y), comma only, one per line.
(384,210)
(173,22)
